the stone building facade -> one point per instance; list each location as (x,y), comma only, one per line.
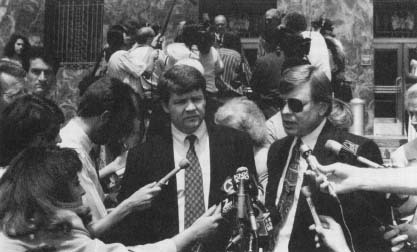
(353,26)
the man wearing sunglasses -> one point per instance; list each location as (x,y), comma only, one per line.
(306,92)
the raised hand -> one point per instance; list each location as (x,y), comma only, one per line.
(208,223)
(330,234)
(402,235)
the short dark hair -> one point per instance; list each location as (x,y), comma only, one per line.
(23,120)
(190,34)
(109,94)
(295,21)
(38,52)
(232,41)
(321,90)
(103,94)
(33,187)
(180,79)
(114,36)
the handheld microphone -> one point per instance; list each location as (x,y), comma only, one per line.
(242,173)
(253,187)
(184,164)
(241,200)
(341,150)
(314,164)
(244,203)
(307,193)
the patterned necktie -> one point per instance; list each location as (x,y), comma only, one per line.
(290,182)
(194,195)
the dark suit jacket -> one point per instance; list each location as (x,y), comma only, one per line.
(229,150)
(362,210)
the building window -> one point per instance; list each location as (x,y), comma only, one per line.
(74,31)
(395,18)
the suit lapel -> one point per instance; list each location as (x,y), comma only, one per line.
(323,155)
(217,151)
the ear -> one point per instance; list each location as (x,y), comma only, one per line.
(165,107)
(105,117)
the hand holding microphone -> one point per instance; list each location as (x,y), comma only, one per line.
(142,198)
(314,164)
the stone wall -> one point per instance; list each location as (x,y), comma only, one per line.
(353,22)
(27,17)
(353,26)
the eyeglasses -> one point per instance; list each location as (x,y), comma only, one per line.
(295,105)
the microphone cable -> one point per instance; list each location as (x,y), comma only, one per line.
(346,226)
(306,154)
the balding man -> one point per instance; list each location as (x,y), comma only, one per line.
(272,20)
(133,67)
(220,23)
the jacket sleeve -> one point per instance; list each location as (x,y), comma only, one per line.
(129,183)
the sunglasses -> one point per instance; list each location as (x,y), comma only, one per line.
(295,105)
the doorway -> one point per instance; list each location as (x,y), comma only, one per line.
(392,59)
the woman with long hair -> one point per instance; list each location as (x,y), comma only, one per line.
(42,208)
(16,50)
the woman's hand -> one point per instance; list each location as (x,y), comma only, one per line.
(142,198)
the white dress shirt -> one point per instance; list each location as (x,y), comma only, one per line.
(74,137)
(319,54)
(128,66)
(284,234)
(202,149)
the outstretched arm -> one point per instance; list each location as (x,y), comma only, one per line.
(139,200)
(346,178)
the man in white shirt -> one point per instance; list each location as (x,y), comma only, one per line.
(105,114)
(307,102)
(135,67)
(318,54)
(214,152)
(406,155)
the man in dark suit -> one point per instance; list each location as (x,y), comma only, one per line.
(307,102)
(218,152)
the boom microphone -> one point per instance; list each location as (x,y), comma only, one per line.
(341,150)
(184,164)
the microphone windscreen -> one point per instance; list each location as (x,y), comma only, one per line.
(184,164)
(333,146)
(306,191)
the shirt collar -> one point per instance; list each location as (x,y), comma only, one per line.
(311,139)
(180,136)
(73,133)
